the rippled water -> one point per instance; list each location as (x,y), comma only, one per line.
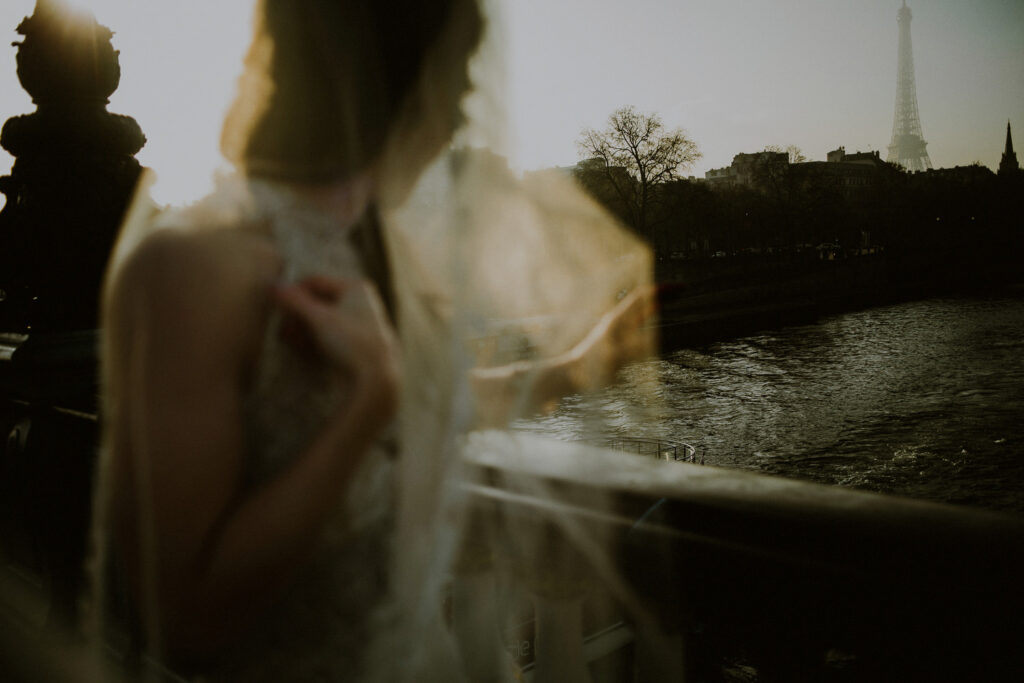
(922,399)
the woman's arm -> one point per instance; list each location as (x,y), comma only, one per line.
(188,312)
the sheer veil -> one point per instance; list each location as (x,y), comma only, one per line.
(512,291)
(498,274)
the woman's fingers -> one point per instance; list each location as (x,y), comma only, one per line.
(326,288)
(311,294)
(312,314)
(343,320)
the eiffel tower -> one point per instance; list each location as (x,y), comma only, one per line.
(908,148)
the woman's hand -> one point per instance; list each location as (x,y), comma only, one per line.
(343,320)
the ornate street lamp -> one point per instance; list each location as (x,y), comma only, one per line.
(73,175)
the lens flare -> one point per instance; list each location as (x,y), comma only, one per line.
(75,11)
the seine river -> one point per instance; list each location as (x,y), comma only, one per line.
(922,399)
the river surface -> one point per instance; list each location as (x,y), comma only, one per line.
(923,399)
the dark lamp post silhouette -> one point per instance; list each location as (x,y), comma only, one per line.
(73,175)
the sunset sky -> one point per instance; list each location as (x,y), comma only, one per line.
(736,76)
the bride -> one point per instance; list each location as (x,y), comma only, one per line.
(261,514)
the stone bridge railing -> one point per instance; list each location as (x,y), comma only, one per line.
(750,573)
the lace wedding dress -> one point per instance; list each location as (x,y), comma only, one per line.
(321,627)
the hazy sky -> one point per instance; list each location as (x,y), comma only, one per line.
(736,75)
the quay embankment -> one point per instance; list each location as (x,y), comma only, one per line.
(706,300)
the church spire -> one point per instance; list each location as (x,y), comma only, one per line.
(1009,162)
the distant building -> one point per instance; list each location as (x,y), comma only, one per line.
(852,174)
(593,172)
(592,165)
(1008,165)
(839,156)
(966,175)
(755,170)
(766,171)
(720,176)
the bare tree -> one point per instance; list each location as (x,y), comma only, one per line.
(636,153)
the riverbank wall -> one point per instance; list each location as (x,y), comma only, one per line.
(703,301)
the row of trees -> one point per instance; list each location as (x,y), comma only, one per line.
(634,164)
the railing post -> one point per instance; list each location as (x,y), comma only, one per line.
(558,579)
(475,617)
(475,621)
(559,639)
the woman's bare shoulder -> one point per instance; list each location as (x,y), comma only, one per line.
(202,258)
(183,280)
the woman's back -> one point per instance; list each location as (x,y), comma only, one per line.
(320,624)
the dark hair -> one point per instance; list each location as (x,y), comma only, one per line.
(325,81)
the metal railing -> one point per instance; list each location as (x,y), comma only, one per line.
(659,449)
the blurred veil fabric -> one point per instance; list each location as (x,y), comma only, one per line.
(493,271)
(501,283)
(501,272)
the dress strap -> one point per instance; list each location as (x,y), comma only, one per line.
(368,240)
